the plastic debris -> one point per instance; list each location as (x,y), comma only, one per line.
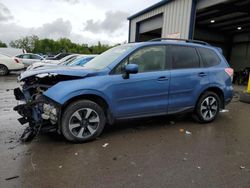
(105,145)
(181,130)
(11,178)
(185,159)
(76,153)
(60,166)
(188,132)
(199,167)
(133,163)
(224,111)
(242,167)
(139,175)
(172,122)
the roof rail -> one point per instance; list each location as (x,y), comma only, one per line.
(184,40)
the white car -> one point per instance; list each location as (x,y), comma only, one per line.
(58,63)
(29,58)
(66,58)
(8,64)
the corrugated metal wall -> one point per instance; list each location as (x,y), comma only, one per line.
(176,18)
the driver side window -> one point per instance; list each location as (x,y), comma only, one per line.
(152,58)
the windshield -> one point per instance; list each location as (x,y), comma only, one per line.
(80,61)
(66,62)
(108,57)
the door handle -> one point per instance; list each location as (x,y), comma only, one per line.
(162,78)
(202,74)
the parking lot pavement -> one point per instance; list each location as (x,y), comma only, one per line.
(168,151)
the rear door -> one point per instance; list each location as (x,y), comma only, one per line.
(188,78)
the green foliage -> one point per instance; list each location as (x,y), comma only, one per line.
(2,44)
(27,43)
(49,46)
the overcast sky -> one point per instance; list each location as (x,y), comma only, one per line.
(83,21)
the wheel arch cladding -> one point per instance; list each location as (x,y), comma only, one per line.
(92,97)
(216,90)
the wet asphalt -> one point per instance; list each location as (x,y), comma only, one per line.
(152,152)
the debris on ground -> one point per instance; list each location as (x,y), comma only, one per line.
(188,133)
(11,178)
(76,153)
(60,166)
(105,145)
(32,163)
(199,167)
(133,163)
(181,130)
(172,122)
(224,111)
(139,175)
(242,167)
(185,159)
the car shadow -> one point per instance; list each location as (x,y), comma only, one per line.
(132,126)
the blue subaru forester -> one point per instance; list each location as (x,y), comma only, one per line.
(134,80)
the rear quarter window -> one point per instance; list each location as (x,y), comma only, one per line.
(209,57)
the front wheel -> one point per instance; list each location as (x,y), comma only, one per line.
(207,108)
(3,70)
(83,121)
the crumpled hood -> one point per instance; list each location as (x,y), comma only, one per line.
(77,71)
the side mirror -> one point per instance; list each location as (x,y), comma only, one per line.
(130,69)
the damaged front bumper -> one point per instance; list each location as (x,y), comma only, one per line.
(41,113)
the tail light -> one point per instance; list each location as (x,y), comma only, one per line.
(16,60)
(230,72)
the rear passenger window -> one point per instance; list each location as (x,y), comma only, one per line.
(209,57)
(184,57)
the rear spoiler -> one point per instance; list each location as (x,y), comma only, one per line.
(219,49)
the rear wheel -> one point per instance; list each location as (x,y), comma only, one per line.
(207,108)
(3,70)
(83,121)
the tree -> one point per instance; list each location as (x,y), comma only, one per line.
(49,46)
(28,43)
(2,44)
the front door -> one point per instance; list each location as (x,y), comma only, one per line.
(144,93)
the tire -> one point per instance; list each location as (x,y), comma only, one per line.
(3,70)
(82,121)
(245,97)
(207,107)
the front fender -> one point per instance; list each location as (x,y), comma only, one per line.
(66,90)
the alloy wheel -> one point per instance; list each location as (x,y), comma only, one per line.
(3,70)
(84,123)
(209,108)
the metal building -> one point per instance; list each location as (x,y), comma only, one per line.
(223,23)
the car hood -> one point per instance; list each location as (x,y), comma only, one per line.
(39,65)
(56,70)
